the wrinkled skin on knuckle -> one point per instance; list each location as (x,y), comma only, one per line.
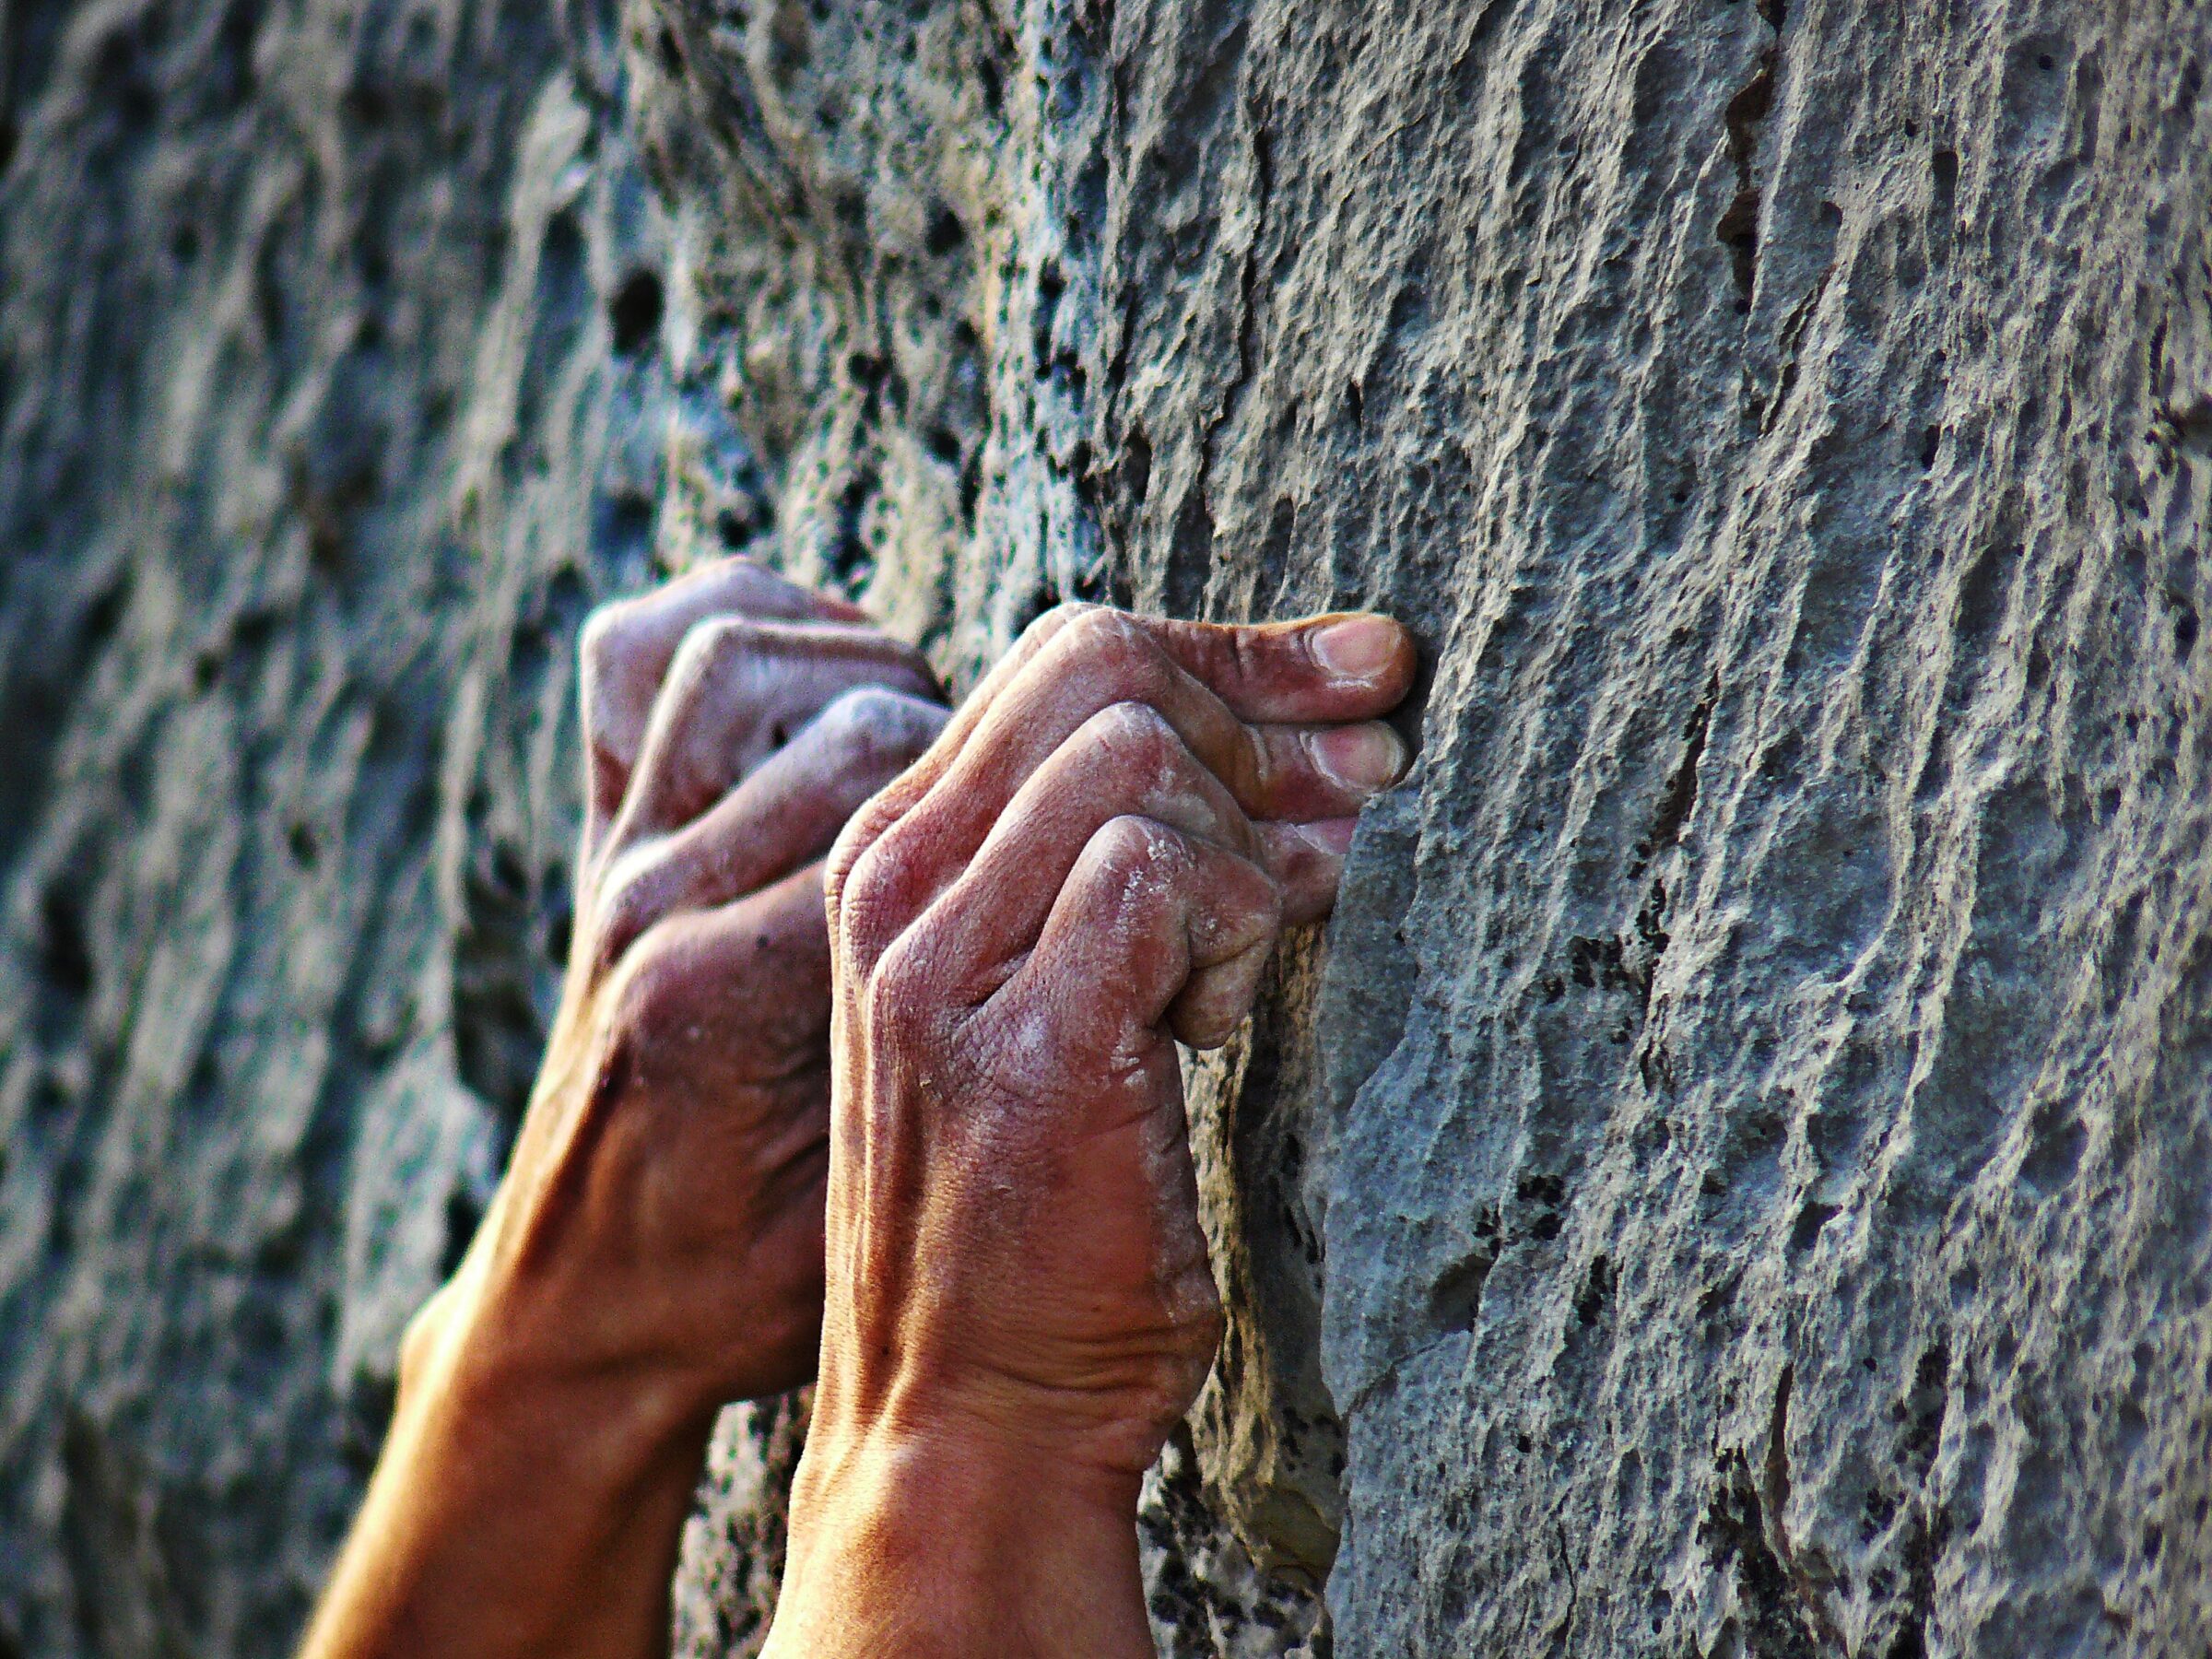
(900,992)
(1135,847)
(1057,620)
(872,725)
(1141,865)
(877,892)
(1238,916)
(1118,646)
(1137,736)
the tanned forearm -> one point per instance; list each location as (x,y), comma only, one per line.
(514,1515)
(655,1247)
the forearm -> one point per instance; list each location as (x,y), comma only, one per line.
(909,1548)
(510,1517)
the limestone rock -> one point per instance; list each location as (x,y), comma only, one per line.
(1732,1178)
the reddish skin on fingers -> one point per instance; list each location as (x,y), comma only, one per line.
(627,650)
(1093,860)
(737,690)
(655,1249)
(1079,660)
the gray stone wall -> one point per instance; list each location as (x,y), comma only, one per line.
(1733,1178)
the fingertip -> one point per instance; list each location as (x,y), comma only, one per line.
(1332,837)
(1307,860)
(1364,649)
(1360,758)
(1219,999)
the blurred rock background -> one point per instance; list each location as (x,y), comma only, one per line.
(1733,1181)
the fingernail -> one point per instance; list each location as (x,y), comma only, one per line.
(1361,648)
(1333,836)
(1362,759)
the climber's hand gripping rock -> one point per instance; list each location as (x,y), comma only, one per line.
(655,1248)
(1092,860)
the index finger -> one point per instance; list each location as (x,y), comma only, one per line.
(1340,665)
(1335,666)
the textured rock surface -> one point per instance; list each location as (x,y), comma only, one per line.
(1733,1181)
(321,433)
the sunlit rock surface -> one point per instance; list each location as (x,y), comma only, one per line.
(1735,1179)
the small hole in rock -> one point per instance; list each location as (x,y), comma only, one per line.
(944,232)
(635,312)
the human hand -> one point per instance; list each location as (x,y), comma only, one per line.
(662,1213)
(1092,860)
(655,1248)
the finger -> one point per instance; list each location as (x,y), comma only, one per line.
(1340,665)
(1337,666)
(1276,771)
(1154,931)
(627,647)
(1307,862)
(736,692)
(679,1001)
(1126,760)
(1273,772)
(782,816)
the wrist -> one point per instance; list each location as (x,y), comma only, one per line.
(477,1375)
(516,1509)
(930,1539)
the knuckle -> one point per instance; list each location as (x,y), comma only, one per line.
(645,991)
(625,911)
(1135,731)
(419,1339)
(844,852)
(899,986)
(709,644)
(851,845)
(869,720)
(873,875)
(603,633)
(1058,619)
(1110,636)
(1128,844)
(867,895)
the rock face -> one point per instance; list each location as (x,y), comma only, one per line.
(1734,1178)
